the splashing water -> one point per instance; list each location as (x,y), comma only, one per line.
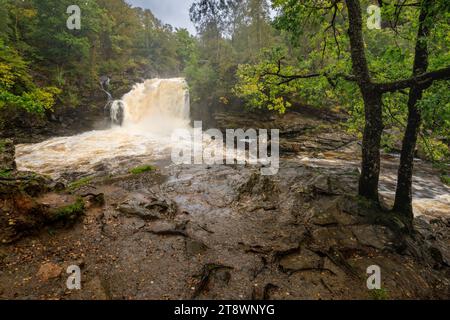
(151,111)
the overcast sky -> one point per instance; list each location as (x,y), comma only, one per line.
(174,12)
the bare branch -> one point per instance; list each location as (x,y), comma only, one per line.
(289,78)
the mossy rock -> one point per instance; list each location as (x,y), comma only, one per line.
(79,183)
(68,213)
(6,173)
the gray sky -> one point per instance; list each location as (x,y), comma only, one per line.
(174,12)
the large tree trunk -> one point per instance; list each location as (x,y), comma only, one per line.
(403,196)
(370,169)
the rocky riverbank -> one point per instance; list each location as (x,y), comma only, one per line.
(21,211)
(226,232)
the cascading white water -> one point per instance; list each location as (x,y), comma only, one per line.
(116,112)
(152,110)
(157,99)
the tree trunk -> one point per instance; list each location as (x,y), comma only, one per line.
(403,196)
(370,169)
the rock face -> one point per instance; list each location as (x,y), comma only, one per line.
(7,153)
(23,214)
(226,232)
(21,210)
(298,132)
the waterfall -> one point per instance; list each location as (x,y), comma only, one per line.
(153,104)
(167,98)
(143,122)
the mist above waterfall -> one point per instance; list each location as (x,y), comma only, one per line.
(151,111)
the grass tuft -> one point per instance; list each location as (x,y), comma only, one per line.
(142,169)
(79,183)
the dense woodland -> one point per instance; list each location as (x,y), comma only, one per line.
(46,67)
(391,83)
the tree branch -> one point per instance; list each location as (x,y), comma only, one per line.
(424,80)
(290,78)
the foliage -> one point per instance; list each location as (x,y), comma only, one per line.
(231,33)
(36,101)
(433,149)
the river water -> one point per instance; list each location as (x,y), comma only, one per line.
(152,111)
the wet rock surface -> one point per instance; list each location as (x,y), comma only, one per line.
(226,232)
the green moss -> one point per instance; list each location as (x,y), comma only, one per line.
(379,294)
(142,169)
(5,173)
(445,178)
(2,146)
(79,183)
(71,212)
